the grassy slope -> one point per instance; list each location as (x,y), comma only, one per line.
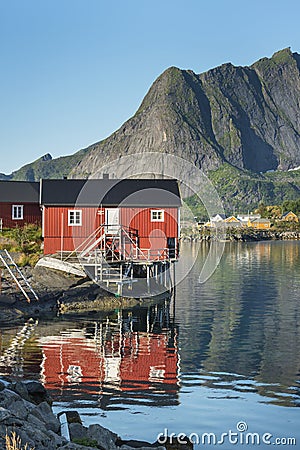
(242,190)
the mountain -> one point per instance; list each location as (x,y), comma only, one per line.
(229,121)
(245,116)
(46,167)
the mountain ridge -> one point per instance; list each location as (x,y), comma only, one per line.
(244,116)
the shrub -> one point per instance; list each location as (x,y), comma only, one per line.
(14,442)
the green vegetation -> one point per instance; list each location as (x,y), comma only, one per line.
(46,167)
(292,205)
(86,442)
(242,191)
(26,241)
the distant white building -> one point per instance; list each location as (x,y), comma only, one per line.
(217,220)
(245,218)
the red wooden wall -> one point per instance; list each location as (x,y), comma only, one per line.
(58,235)
(151,234)
(31,214)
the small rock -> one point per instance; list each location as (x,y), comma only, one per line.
(77,431)
(137,444)
(37,393)
(4,414)
(20,388)
(106,439)
(73,417)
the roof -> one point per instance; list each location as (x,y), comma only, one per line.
(260,220)
(19,192)
(246,217)
(218,217)
(111,192)
(231,218)
(288,213)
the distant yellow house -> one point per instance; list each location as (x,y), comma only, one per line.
(290,217)
(259,224)
(231,219)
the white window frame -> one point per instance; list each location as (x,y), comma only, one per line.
(17,212)
(155,213)
(74,217)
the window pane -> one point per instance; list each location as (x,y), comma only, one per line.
(74,217)
(17,212)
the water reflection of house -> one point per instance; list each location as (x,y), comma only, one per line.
(110,361)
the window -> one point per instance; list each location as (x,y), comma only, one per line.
(74,217)
(157,215)
(17,212)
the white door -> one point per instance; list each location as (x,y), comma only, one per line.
(112,220)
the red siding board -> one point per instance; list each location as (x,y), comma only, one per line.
(31,215)
(57,232)
(140,218)
(58,235)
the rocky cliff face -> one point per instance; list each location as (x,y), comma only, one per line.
(235,123)
(246,116)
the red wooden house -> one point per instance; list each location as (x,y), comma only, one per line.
(19,204)
(144,213)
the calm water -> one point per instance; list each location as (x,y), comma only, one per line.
(220,353)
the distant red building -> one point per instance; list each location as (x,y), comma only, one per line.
(19,204)
(146,209)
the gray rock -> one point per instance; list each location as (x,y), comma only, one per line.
(20,388)
(106,439)
(44,413)
(16,405)
(57,441)
(4,414)
(72,446)
(37,392)
(127,447)
(77,431)
(132,443)
(34,421)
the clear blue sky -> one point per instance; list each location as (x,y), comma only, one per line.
(72,71)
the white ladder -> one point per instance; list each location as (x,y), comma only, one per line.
(18,277)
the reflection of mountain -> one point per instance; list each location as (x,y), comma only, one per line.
(245,320)
(126,357)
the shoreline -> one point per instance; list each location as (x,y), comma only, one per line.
(61,293)
(26,413)
(241,235)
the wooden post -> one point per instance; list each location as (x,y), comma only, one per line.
(148,277)
(61,235)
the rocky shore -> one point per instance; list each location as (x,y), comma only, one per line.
(26,412)
(59,293)
(241,235)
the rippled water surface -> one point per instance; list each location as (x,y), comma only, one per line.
(217,354)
